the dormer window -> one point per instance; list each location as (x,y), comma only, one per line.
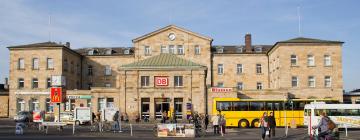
(92,52)
(239,49)
(220,50)
(258,49)
(127,51)
(108,52)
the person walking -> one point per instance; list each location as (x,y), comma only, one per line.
(272,124)
(116,120)
(264,125)
(222,123)
(206,121)
(215,123)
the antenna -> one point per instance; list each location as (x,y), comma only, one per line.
(299,21)
(49,28)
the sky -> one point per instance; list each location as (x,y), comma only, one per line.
(114,23)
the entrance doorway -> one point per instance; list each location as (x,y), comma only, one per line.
(161,105)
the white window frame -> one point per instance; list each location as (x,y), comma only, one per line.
(197,50)
(259,86)
(327,81)
(147,50)
(220,69)
(21,103)
(177,82)
(49,63)
(35,63)
(220,84)
(21,80)
(294,79)
(33,81)
(311,60)
(163,49)
(239,68)
(180,50)
(146,82)
(171,49)
(327,60)
(258,68)
(311,81)
(240,85)
(293,59)
(220,50)
(21,63)
(108,70)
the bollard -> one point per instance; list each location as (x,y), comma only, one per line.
(221,131)
(131,131)
(346,131)
(73,128)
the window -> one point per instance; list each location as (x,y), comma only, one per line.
(197,50)
(88,102)
(256,106)
(108,52)
(258,49)
(311,81)
(66,65)
(145,107)
(239,68)
(294,81)
(48,106)
(223,106)
(259,86)
(48,81)
(171,49)
(239,49)
(327,81)
(178,81)
(127,51)
(20,105)
(145,81)
(21,83)
(311,60)
(35,83)
(89,86)
(220,69)
(90,70)
(220,84)
(163,49)
(293,60)
(147,50)
(50,63)
(34,105)
(258,68)
(220,50)
(101,104)
(110,102)
(240,106)
(180,49)
(327,60)
(107,85)
(35,65)
(240,86)
(107,70)
(21,63)
(178,106)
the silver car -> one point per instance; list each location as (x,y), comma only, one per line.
(23,116)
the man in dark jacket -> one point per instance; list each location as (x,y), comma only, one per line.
(272,124)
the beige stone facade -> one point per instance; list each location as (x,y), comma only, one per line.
(127,77)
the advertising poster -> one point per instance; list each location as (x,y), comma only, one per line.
(82,113)
(108,113)
(176,130)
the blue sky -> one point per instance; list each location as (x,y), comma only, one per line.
(106,23)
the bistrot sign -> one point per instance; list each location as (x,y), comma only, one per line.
(56,95)
(161,81)
(217,89)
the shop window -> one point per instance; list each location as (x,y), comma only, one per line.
(48,106)
(101,104)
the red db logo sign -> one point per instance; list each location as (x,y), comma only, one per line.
(161,81)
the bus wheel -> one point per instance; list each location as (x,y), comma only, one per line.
(243,123)
(255,123)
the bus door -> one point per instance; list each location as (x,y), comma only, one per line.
(273,107)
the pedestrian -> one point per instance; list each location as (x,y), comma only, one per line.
(93,117)
(116,120)
(215,123)
(206,121)
(264,125)
(272,124)
(222,123)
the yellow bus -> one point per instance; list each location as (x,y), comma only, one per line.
(245,113)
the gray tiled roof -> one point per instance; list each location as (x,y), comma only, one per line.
(102,51)
(232,49)
(308,40)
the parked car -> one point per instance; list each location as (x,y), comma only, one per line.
(23,116)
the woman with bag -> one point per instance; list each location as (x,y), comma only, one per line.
(264,126)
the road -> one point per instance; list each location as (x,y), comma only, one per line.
(144,131)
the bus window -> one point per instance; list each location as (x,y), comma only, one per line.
(269,106)
(240,106)
(256,106)
(277,106)
(307,112)
(223,106)
(298,105)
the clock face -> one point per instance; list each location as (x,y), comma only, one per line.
(172,36)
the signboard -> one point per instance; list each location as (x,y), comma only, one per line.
(175,130)
(79,96)
(82,113)
(161,80)
(108,113)
(37,116)
(58,80)
(56,95)
(217,89)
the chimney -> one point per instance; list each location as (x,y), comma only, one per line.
(67,44)
(6,85)
(248,42)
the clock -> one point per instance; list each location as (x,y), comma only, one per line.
(172,36)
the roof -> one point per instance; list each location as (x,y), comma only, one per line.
(308,40)
(169,27)
(232,49)
(102,51)
(163,61)
(3,91)
(42,44)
